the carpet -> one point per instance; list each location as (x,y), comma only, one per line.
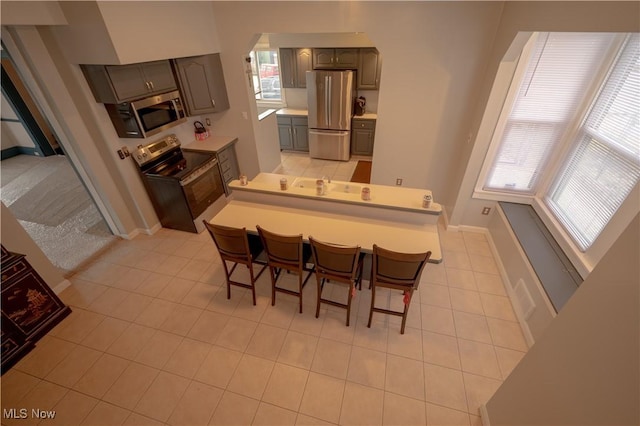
(362,172)
(53,200)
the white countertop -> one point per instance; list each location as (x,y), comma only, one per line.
(213,143)
(304,112)
(389,197)
(292,111)
(334,228)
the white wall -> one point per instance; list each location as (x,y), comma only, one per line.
(585,369)
(15,239)
(123,32)
(32,13)
(434,55)
(520,18)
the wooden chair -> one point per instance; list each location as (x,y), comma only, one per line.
(286,252)
(396,271)
(339,264)
(237,247)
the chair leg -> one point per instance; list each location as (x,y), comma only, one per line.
(228,275)
(373,301)
(253,284)
(300,289)
(273,285)
(405,312)
(319,286)
(349,297)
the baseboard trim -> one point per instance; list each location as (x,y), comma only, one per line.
(62,285)
(484,415)
(17,150)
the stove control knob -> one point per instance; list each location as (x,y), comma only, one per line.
(139,157)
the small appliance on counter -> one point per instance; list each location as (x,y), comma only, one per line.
(201,132)
(359,108)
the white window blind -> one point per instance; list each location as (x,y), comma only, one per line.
(605,164)
(561,66)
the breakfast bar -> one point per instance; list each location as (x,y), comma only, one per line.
(394,219)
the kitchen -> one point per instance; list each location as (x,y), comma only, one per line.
(437,64)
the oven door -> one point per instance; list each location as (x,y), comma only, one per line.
(202,187)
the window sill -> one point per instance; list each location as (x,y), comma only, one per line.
(577,258)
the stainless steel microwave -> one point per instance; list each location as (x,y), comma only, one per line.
(148,116)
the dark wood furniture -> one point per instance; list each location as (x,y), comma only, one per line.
(29,308)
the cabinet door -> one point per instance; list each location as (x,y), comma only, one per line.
(345,58)
(362,136)
(202,84)
(369,69)
(288,68)
(300,134)
(304,63)
(159,76)
(128,81)
(323,58)
(285,133)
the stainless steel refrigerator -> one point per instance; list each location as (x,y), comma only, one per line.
(330,97)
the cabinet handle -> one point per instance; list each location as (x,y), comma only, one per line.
(146,83)
(290,134)
(151,84)
(213,102)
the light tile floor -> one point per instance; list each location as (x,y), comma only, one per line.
(153,340)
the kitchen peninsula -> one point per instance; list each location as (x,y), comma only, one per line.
(394,217)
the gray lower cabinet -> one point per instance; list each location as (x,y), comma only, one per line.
(228,163)
(111,84)
(294,65)
(362,136)
(293,132)
(202,84)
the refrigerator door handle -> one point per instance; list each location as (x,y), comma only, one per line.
(327,97)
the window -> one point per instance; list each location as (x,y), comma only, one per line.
(266,75)
(559,68)
(605,163)
(559,142)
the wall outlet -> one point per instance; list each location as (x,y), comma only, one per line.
(486,210)
(207,121)
(399,181)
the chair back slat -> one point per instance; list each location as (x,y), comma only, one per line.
(331,259)
(282,249)
(398,268)
(231,242)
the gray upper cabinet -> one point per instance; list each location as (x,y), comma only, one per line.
(202,84)
(335,58)
(294,65)
(369,65)
(119,83)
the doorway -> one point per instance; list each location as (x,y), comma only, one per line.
(40,186)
